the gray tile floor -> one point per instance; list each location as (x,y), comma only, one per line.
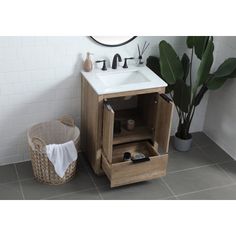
(205,172)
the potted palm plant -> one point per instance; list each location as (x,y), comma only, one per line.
(185,88)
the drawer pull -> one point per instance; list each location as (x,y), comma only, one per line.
(136,161)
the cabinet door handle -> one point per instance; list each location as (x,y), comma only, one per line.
(108,106)
(165,97)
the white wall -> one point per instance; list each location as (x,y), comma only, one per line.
(220,123)
(40,80)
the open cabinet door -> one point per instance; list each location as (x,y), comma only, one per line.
(164,120)
(108,124)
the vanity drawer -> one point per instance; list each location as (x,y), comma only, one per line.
(152,116)
(122,172)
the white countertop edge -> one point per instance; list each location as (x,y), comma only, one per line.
(156,82)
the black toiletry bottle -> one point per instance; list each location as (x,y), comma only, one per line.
(127,156)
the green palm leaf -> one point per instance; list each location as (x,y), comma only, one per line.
(199,43)
(226,68)
(182,95)
(205,66)
(171,67)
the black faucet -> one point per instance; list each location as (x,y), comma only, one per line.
(114,61)
(104,67)
(125,66)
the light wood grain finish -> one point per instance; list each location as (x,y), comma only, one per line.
(105,150)
(83,113)
(163,126)
(142,131)
(138,134)
(121,173)
(135,92)
(91,125)
(145,147)
(108,124)
(147,106)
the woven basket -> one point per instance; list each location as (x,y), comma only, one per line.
(52,132)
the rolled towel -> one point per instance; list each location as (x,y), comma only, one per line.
(61,156)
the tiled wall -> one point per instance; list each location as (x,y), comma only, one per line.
(40,80)
(220,123)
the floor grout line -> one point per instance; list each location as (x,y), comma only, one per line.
(91,177)
(26,179)
(191,168)
(168,198)
(68,193)
(9,182)
(168,187)
(197,167)
(98,187)
(172,192)
(59,195)
(213,164)
(19,182)
(202,190)
(195,145)
(230,177)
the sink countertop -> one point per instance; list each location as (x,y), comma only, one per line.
(154,81)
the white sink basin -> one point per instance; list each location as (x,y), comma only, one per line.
(123,80)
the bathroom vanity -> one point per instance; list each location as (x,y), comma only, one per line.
(118,95)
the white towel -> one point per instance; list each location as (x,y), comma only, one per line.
(61,156)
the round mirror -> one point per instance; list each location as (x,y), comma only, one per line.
(112,41)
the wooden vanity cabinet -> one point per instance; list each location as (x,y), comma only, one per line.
(104,149)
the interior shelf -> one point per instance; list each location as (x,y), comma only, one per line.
(139,133)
